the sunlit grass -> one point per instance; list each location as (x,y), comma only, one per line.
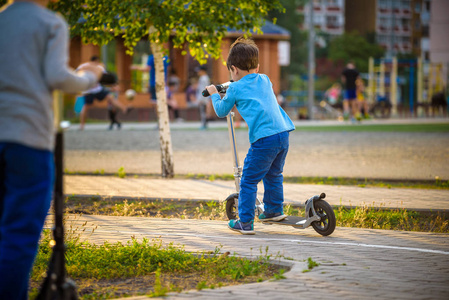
(89,264)
(358,217)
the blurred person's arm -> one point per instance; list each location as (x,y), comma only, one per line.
(56,71)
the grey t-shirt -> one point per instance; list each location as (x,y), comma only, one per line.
(33,63)
(203,81)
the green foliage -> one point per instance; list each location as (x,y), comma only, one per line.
(437,127)
(352,46)
(311,263)
(280,275)
(202,24)
(121,172)
(108,261)
(396,219)
(159,290)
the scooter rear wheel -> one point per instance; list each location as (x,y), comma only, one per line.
(231,207)
(326,225)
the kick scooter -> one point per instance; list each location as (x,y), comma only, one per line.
(319,213)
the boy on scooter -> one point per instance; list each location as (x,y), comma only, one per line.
(269,128)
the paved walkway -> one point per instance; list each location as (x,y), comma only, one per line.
(354,263)
(189,189)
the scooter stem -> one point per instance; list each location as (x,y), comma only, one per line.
(237,168)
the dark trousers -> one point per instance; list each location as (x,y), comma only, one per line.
(26,185)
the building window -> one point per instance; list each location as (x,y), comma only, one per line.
(332,22)
(417,7)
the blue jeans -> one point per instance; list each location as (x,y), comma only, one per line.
(265,160)
(26,186)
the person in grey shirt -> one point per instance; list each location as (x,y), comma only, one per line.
(33,63)
(203,102)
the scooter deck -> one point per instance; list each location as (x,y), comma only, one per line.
(290,221)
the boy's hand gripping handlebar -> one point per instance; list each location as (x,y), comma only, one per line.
(221,88)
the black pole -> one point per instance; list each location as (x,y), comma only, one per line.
(56,286)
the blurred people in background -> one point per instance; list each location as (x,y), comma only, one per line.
(333,94)
(203,102)
(191,91)
(171,101)
(99,93)
(112,110)
(150,68)
(363,108)
(350,106)
(174,79)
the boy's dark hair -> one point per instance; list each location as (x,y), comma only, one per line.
(243,54)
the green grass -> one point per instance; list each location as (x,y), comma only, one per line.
(384,183)
(88,264)
(358,217)
(439,127)
(387,219)
(310,265)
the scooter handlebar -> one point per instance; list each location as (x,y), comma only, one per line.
(221,88)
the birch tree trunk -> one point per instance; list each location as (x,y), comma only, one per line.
(167,163)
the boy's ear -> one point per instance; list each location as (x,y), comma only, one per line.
(257,69)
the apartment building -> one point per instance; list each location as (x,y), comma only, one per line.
(328,16)
(400,26)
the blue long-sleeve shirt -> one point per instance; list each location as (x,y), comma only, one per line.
(255,100)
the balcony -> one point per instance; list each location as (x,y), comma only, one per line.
(407,47)
(383,28)
(384,10)
(333,26)
(402,30)
(334,29)
(334,8)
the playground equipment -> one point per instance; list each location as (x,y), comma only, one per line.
(388,84)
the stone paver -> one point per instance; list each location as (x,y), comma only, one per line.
(354,263)
(220,190)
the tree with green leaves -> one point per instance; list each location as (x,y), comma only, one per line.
(199,24)
(354,47)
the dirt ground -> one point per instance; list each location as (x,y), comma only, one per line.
(382,155)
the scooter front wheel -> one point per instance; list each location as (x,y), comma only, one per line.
(231,206)
(326,225)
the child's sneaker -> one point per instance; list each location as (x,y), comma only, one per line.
(243,228)
(272,216)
